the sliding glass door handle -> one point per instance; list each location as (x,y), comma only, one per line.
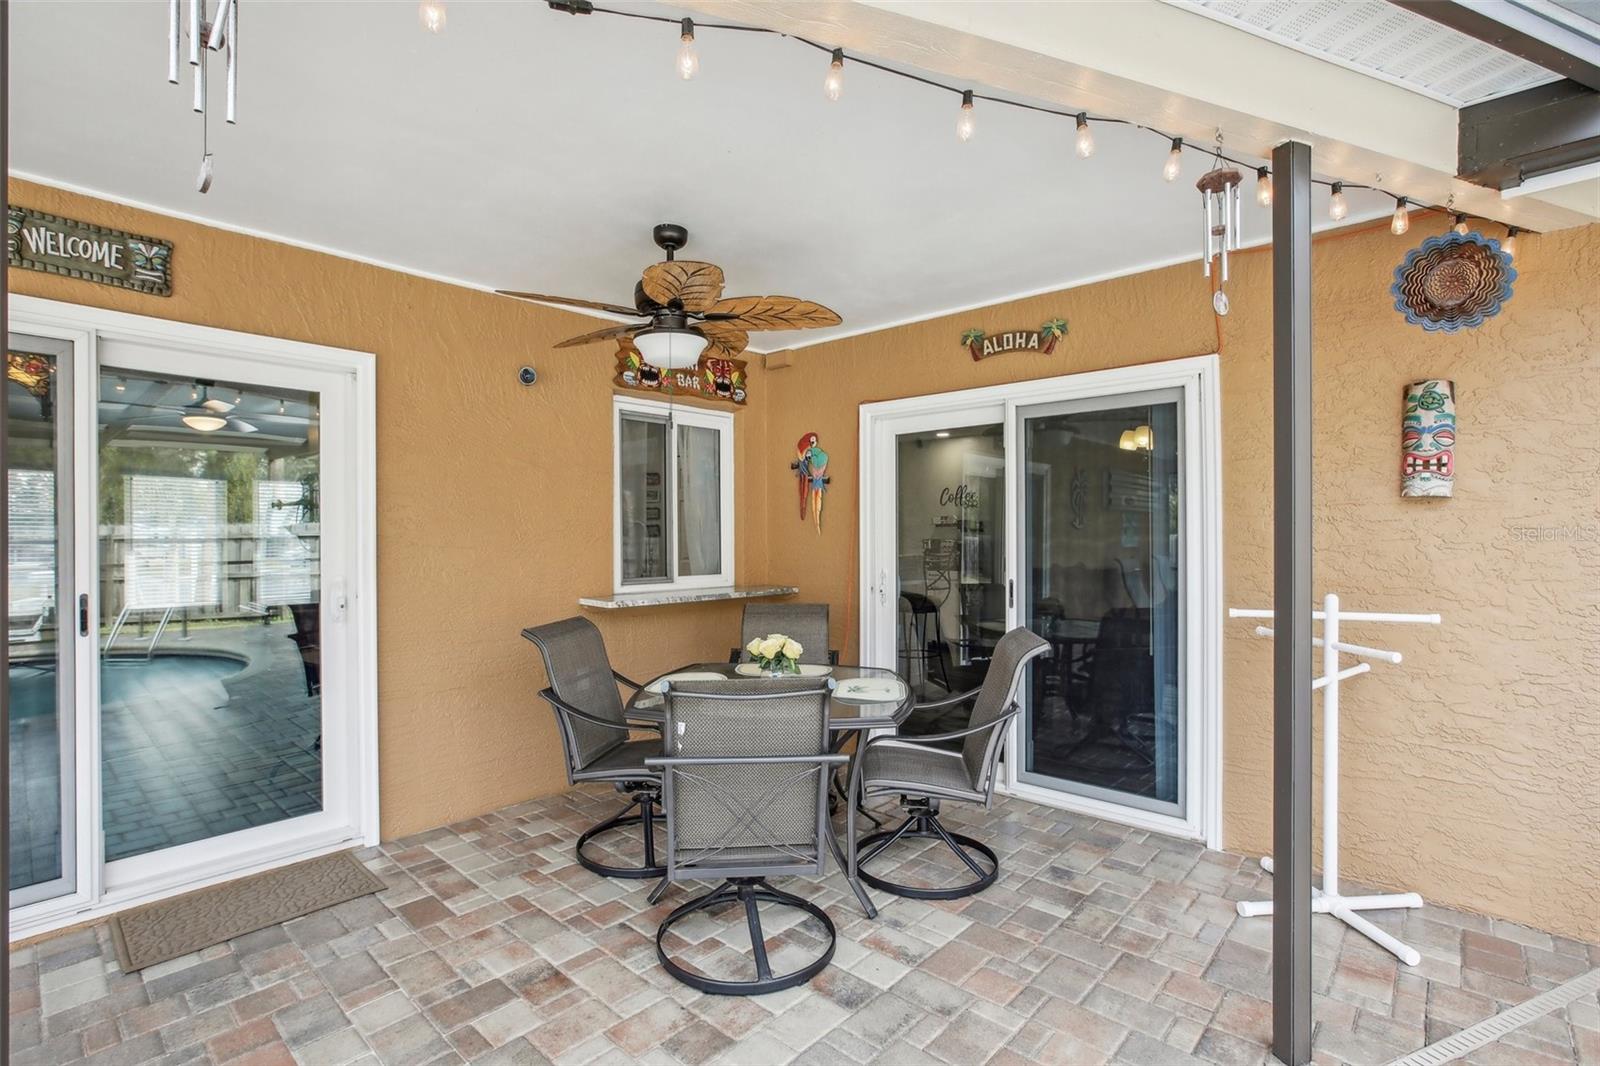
(83,614)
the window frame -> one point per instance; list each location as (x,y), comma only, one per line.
(675,416)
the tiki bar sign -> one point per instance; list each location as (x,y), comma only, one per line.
(55,245)
(1042,340)
(714,379)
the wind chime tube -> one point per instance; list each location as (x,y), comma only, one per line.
(1238,217)
(1222,238)
(218,28)
(233,60)
(200,88)
(174,32)
(1205,246)
(196,17)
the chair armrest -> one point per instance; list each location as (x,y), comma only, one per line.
(626,681)
(948,701)
(937,738)
(660,761)
(564,707)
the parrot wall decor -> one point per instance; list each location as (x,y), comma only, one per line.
(811,471)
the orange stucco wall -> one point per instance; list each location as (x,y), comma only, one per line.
(1471,773)
(494,509)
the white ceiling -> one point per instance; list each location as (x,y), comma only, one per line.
(1384,41)
(528,149)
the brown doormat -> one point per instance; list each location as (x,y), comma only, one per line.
(166,929)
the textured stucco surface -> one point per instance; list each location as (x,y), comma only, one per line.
(494,504)
(1470,773)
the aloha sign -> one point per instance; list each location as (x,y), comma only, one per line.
(56,245)
(1041,340)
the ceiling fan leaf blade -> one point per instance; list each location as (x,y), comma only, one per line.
(599,335)
(730,345)
(775,312)
(693,284)
(239,425)
(568,301)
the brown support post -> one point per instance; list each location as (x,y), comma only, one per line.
(1291,602)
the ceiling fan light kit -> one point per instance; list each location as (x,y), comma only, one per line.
(686,317)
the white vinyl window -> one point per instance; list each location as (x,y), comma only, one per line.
(674,497)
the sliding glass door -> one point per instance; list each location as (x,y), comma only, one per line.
(1102,581)
(1086,509)
(41,614)
(191,645)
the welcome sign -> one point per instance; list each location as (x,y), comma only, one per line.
(39,241)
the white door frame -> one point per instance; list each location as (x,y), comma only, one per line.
(1198,377)
(350,815)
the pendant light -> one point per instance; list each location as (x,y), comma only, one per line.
(1338,206)
(1402,217)
(688,58)
(1174,163)
(1085,141)
(966,123)
(833,84)
(1263,186)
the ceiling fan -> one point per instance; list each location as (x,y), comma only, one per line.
(204,413)
(685,314)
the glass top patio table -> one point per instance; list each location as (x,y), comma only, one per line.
(863,697)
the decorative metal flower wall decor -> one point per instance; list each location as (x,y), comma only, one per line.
(1453,282)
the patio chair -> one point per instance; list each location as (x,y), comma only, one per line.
(805,622)
(308,640)
(925,774)
(745,787)
(596,735)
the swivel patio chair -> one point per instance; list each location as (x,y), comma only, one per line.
(805,622)
(926,774)
(745,785)
(596,734)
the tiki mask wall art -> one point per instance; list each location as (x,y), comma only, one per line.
(1428,439)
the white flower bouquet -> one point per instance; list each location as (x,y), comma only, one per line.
(776,654)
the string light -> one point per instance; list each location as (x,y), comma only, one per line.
(431,14)
(1509,245)
(1402,217)
(1085,137)
(833,84)
(1338,207)
(688,58)
(1174,163)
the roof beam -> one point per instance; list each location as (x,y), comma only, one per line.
(1538,131)
(1515,29)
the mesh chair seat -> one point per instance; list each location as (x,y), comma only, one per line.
(925,774)
(625,762)
(890,767)
(595,734)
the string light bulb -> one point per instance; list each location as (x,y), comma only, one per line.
(833,84)
(431,14)
(1509,245)
(1263,186)
(966,122)
(1461,225)
(1338,207)
(1085,137)
(688,58)
(1402,217)
(1174,163)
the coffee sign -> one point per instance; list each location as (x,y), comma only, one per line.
(55,245)
(1042,340)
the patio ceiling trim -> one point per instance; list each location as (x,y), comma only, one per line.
(1155,64)
(1520,31)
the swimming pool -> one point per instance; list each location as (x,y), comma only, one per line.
(33,683)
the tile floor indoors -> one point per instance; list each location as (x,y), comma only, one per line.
(490,945)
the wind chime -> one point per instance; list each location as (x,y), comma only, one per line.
(1219,192)
(218,33)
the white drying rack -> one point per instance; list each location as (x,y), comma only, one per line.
(1328,900)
